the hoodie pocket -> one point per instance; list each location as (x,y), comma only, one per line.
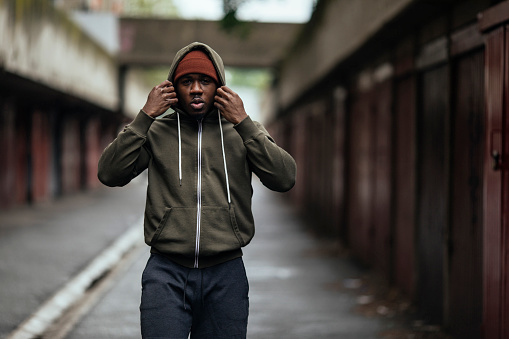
(219,230)
(176,231)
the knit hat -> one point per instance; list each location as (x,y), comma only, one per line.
(195,62)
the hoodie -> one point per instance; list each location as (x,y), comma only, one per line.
(198,205)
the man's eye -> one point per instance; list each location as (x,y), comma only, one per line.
(205,81)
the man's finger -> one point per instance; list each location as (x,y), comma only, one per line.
(221,101)
(169,96)
(226,89)
(167,89)
(165,83)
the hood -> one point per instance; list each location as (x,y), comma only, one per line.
(218,64)
(216,60)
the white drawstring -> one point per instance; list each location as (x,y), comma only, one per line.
(180,151)
(224,158)
(222,149)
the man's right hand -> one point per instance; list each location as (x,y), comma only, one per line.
(160,99)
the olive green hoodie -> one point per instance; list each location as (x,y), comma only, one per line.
(198,207)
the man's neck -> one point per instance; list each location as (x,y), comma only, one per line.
(198,116)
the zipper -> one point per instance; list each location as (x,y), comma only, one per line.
(198,195)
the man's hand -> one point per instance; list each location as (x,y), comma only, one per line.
(230,105)
(160,99)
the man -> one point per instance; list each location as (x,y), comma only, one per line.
(200,159)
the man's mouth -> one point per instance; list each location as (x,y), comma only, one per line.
(197,104)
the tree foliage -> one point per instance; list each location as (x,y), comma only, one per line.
(150,8)
(230,23)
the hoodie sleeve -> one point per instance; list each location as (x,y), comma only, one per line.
(126,156)
(273,165)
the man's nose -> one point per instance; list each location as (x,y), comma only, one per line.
(196,87)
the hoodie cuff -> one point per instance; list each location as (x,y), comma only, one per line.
(141,123)
(247,129)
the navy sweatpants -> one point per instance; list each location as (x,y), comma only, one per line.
(208,303)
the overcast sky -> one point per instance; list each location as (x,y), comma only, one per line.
(259,10)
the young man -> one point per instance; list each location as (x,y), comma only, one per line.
(200,160)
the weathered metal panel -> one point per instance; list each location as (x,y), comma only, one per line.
(360,193)
(382,164)
(494,16)
(322,177)
(20,195)
(465,239)
(465,40)
(300,142)
(338,180)
(313,181)
(8,170)
(492,235)
(327,174)
(405,172)
(71,155)
(505,188)
(323,159)
(432,190)
(40,155)
(56,154)
(93,152)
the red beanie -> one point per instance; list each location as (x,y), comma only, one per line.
(195,62)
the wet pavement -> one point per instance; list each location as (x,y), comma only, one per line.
(297,288)
(44,246)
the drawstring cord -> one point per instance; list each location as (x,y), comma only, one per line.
(200,272)
(224,158)
(180,150)
(185,287)
(222,149)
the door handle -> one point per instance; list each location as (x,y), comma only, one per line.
(496,160)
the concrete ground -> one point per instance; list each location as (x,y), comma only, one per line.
(300,286)
(42,247)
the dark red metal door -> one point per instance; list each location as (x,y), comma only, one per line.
(496,174)
(433,190)
(492,186)
(405,186)
(382,147)
(360,192)
(464,283)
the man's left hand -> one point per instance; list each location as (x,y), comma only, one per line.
(230,105)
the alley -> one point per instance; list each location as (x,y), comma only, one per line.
(290,286)
(394,111)
(293,282)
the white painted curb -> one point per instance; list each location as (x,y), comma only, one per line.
(53,308)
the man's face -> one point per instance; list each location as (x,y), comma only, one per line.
(196,93)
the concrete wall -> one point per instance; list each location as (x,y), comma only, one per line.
(59,103)
(136,91)
(41,44)
(338,29)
